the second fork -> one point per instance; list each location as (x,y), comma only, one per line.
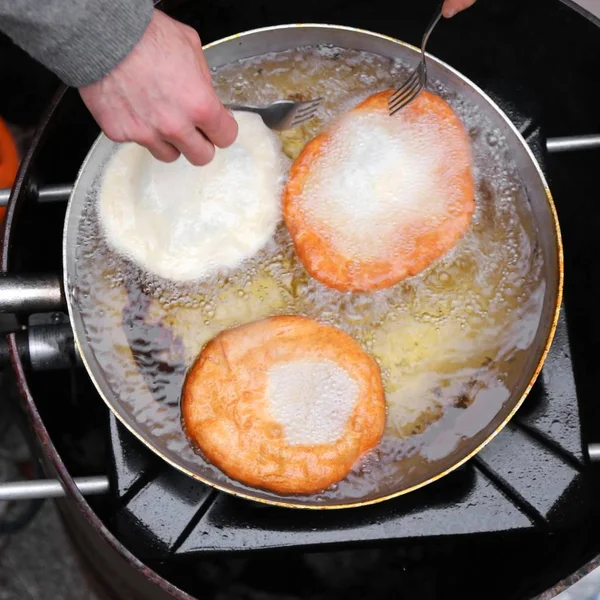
(413,86)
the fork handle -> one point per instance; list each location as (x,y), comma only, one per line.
(252,109)
(434,21)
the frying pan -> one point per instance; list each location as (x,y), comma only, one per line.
(136,407)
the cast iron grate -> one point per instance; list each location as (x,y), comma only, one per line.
(531,477)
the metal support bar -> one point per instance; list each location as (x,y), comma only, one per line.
(594,452)
(50,488)
(575,142)
(51,347)
(30,293)
(4,196)
(50,193)
(47,344)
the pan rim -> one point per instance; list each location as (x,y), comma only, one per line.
(338,506)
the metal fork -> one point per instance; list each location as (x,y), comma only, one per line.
(282,114)
(413,86)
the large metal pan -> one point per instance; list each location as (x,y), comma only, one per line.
(134,403)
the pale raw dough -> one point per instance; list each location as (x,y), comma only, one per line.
(182,222)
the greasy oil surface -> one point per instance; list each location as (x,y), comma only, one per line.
(451,342)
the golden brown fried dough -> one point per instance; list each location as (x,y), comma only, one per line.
(375,199)
(285,404)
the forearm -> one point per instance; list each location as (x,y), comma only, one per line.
(79,40)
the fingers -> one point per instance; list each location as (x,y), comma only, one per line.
(218,124)
(208,113)
(160,148)
(131,131)
(215,121)
(163,151)
(168,139)
(451,7)
(194,133)
(215,125)
(194,145)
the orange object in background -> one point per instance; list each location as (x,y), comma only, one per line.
(9,161)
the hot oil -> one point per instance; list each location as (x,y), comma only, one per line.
(451,342)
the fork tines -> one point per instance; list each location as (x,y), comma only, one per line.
(409,90)
(304,111)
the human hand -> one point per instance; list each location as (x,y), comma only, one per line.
(161,96)
(451,7)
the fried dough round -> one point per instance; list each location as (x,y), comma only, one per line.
(285,404)
(182,222)
(375,199)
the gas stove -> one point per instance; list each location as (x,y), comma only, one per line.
(510,523)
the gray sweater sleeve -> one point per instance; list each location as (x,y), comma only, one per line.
(79,40)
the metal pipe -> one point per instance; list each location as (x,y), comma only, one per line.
(44,347)
(49,193)
(51,347)
(594,452)
(51,488)
(30,294)
(574,142)
(55,193)
(4,196)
